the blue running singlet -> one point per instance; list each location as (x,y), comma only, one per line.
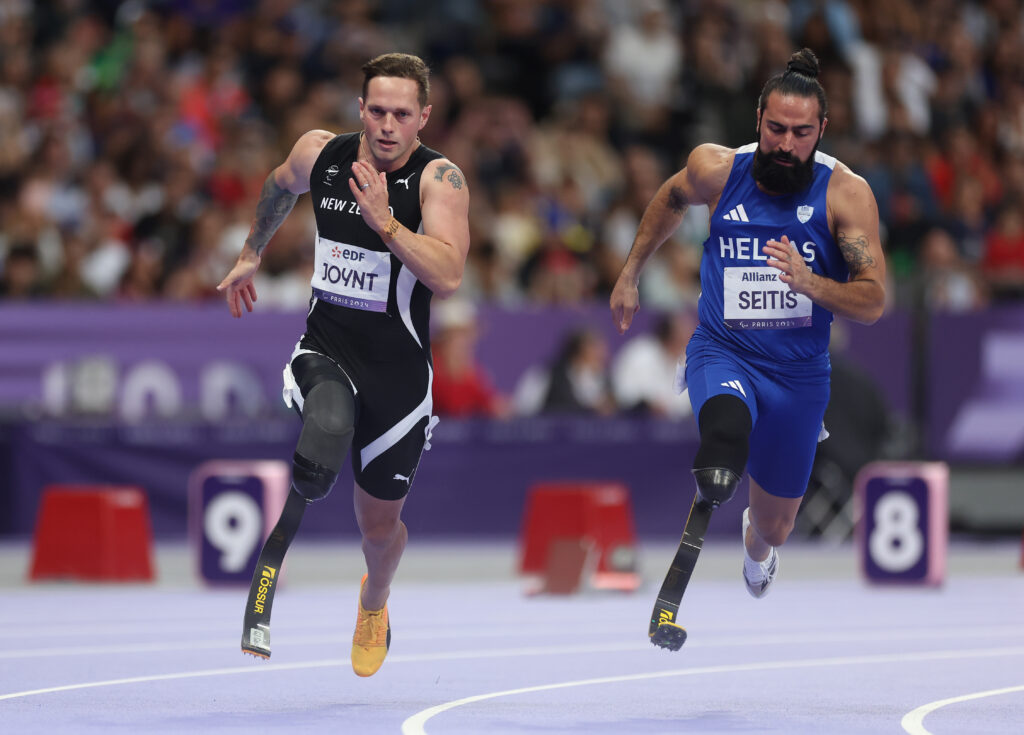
(757,339)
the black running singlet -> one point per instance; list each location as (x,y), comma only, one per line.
(365,303)
(371,317)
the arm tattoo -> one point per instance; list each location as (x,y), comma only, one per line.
(454,178)
(855,252)
(676,200)
(273,206)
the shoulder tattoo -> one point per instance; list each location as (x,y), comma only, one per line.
(454,176)
(676,200)
(855,251)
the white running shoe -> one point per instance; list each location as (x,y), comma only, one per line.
(758,575)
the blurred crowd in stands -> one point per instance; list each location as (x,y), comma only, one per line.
(135,136)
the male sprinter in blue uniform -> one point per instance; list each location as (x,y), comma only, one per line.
(793,240)
(392,229)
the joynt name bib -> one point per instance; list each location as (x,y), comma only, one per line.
(351,276)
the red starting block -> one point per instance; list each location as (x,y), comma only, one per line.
(93,532)
(579,533)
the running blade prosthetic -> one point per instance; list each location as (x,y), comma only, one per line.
(664,631)
(256,624)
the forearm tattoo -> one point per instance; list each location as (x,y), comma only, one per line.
(454,177)
(273,207)
(855,252)
(390,230)
(676,200)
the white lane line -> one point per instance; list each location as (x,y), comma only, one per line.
(415,725)
(286,640)
(1004,632)
(258,667)
(255,669)
(913,721)
(425,631)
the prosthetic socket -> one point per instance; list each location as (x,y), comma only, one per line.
(328,420)
(716,485)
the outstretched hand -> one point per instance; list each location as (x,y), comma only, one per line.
(625,302)
(238,286)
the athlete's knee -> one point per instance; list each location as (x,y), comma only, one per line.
(774,529)
(381,531)
(330,407)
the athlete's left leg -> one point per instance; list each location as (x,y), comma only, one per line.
(771,521)
(782,447)
(384,539)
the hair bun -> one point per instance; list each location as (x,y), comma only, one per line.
(804,62)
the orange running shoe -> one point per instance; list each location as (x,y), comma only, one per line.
(372,638)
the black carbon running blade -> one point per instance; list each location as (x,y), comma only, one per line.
(664,630)
(256,623)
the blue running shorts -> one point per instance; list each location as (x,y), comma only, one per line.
(786,402)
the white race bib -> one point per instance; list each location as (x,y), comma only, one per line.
(348,275)
(755,298)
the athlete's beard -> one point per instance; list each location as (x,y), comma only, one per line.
(779,179)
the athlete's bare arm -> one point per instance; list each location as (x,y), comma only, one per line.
(853,216)
(280,191)
(700,182)
(438,256)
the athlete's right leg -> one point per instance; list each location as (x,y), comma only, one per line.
(725,424)
(324,397)
(328,422)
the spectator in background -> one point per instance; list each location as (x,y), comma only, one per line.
(576,382)
(960,158)
(1003,262)
(948,282)
(967,219)
(561,270)
(643,60)
(904,194)
(644,370)
(153,112)
(20,278)
(461,387)
(576,145)
(673,277)
(719,73)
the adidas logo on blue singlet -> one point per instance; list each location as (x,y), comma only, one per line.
(735,385)
(736,214)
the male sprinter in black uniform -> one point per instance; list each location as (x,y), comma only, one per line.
(392,229)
